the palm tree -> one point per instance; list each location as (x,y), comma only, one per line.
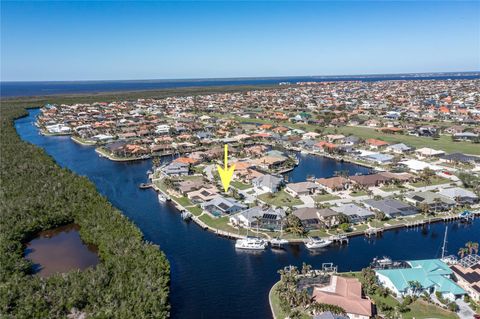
(414,286)
(257,220)
(462,252)
(468,246)
(475,247)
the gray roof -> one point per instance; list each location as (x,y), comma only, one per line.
(270,181)
(258,211)
(428,197)
(391,206)
(455,192)
(352,209)
(400,147)
(302,186)
(223,203)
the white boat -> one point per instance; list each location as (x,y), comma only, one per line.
(162,198)
(317,242)
(186,215)
(251,243)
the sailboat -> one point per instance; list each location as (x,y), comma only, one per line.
(279,241)
(449,260)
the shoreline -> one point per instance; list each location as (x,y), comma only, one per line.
(378,230)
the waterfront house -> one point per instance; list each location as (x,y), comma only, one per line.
(268,183)
(431,275)
(309,218)
(203,194)
(220,205)
(314,218)
(467,275)
(269,162)
(355,213)
(176,169)
(189,185)
(460,195)
(265,218)
(390,207)
(345,293)
(301,188)
(379,158)
(434,201)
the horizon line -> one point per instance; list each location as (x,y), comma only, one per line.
(246,77)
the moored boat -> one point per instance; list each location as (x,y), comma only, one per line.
(162,198)
(186,215)
(251,243)
(317,242)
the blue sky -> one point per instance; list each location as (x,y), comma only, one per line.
(158,40)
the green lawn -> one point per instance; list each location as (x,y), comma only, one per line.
(195,210)
(433,181)
(221,223)
(240,185)
(280,199)
(420,309)
(325,197)
(184,201)
(359,193)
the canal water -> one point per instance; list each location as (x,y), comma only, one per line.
(60,250)
(210,279)
(322,167)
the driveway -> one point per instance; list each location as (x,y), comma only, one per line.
(465,311)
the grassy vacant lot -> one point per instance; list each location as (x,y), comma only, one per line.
(280,199)
(421,309)
(240,185)
(325,197)
(195,210)
(184,201)
(444,143)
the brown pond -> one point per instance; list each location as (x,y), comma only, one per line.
(60,250)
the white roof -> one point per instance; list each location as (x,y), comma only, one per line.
(429,151)
(417,165)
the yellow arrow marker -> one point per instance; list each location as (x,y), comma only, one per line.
(226,173)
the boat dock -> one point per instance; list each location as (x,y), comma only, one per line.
(340,239)
(373,232)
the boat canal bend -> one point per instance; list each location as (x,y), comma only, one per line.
(209,277)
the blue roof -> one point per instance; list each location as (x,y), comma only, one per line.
(429,273)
